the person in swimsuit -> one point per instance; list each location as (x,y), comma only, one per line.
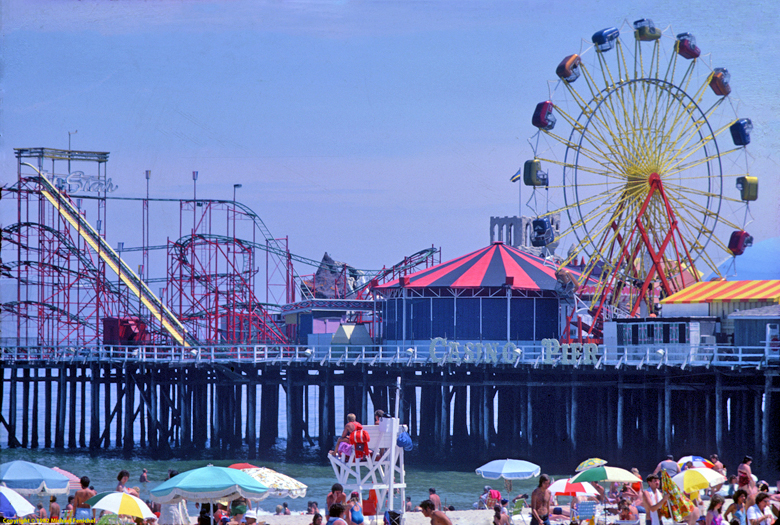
(745,480)
(540,502)
(438,517)
(738,509)
(713,512)
(354,510)
(83,511)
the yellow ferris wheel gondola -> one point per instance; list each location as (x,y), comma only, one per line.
(643,150)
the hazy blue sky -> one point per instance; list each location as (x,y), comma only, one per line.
(366,129)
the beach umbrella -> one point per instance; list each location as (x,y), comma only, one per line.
(678,504)
(279,485)
(13,504)
(242,466)
(696,479)
(97,497)
(563,487)
(74,482)
(509,469)
(207,484)
(124,504)
(590,463)
(698,462)
(605,474)
(30,478)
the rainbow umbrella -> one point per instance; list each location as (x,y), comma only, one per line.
(563,487)
(124,504)
(698,462)
(679,505)
(590,463)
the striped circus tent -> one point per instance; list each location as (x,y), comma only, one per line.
(494,266)
(495,294)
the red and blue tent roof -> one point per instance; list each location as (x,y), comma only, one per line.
(489,267)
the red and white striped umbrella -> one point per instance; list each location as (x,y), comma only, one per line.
(562,487)
(74,482)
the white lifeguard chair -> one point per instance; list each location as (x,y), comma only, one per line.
(382,470)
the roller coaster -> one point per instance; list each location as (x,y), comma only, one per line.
(73,287)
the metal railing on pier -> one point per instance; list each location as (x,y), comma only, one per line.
(496,354)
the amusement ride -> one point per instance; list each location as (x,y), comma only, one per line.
(640,145)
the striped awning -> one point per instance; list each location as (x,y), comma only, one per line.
(727,292)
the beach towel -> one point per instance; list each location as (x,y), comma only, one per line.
(679,505)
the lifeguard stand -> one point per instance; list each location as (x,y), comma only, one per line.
(382,470)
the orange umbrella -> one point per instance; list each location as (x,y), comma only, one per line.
(74,482)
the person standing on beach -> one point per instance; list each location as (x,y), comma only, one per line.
(652,499)
(540,502)
(669,465)
(434,498)
(79,501)
(54,509)
(745,480)
(438,517)
(336,496)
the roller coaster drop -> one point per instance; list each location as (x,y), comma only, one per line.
(209,295)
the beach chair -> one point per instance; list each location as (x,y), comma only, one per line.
(518,510)
(586,510)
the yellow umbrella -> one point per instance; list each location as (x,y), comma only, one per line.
(124,504)
(696,479)
(590,463)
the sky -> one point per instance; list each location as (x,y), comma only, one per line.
(369,130)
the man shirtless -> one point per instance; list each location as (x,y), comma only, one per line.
(434,498)
(540,502)
(438,517)
(79,502)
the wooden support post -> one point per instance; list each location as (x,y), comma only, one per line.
(185,402)
(529,421)
(719,407)
(49,402)
(619,425)
(106,405)
(72,407)
(251,413)
(766,416)
(127,443)
(83,403)
(325,401)
(25,407)
(154,430)
(573,411)
(667,415)
(142,440)
(121,391)
(94,407)
(62,385)
(34,429)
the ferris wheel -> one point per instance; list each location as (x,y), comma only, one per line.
(641,152)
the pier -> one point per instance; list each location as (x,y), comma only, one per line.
(635,402)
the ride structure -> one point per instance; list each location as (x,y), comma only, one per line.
(640,135)
(73,288)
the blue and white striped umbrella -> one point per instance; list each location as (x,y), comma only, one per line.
(14,505)
(509,469)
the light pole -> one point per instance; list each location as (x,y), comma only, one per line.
(235,187)
(70,133)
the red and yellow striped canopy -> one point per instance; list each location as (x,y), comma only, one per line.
(727,292)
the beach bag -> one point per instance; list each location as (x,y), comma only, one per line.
(359,439)
(405,441)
